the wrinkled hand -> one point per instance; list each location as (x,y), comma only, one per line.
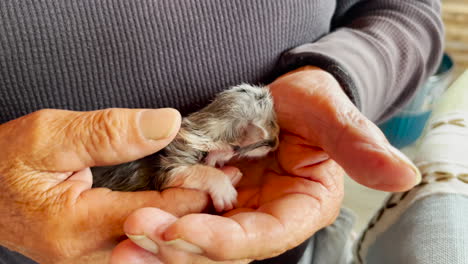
(310,103)
(286,197)
(283,199)
(48,210)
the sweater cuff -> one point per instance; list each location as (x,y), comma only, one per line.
(294,59)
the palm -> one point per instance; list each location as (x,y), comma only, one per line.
(296,168)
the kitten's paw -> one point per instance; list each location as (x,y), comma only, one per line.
(224,198)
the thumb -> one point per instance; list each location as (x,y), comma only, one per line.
(60,140)
(120,135)
(362,150)
(311,103)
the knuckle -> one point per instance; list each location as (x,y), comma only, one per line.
(44,114)
(106,126)
(104,129)
(350,117)
(39,124)
(355,124)
(350,122)
(31,136)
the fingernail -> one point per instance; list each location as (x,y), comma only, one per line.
(144,242)
(159,123)
(183,245)
(403,158)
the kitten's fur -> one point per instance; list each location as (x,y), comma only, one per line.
(240,122)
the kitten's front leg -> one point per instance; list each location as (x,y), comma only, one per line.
(218,183)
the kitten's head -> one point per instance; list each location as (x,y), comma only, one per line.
(243,117)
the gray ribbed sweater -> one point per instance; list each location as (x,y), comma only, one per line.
(92,54)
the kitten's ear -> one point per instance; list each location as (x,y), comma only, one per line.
(252,134)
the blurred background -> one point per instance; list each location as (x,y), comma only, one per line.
(455,16)
(403,129)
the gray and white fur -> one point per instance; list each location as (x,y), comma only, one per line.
(239,123)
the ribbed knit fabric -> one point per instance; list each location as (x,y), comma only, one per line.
(93,54)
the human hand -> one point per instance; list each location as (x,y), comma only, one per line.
(276,194)
(276,211)
(310,103)
(283,199)
(48,210)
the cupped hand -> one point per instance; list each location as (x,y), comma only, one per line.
(286,197)
(48,210)
(283,200)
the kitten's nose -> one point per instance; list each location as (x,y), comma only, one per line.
(273,143)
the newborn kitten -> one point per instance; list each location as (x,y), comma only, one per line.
(239,123)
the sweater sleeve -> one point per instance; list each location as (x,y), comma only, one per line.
(380,51)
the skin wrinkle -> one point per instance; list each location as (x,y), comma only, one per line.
(34,198)
(298,178)
(75,192)
(56,142)
(75,127)
(34,136)
(374,163)
(103,133)
(324,180)
(105,136)
(342,133)
(283,222)
(116,130)
(209,235)
(282,228)
(225,248)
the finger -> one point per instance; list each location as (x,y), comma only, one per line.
(60,140)
(128,252)
(252,235)
(145,227)
(362,150)
(272,229)
(108,210)
(337,126)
